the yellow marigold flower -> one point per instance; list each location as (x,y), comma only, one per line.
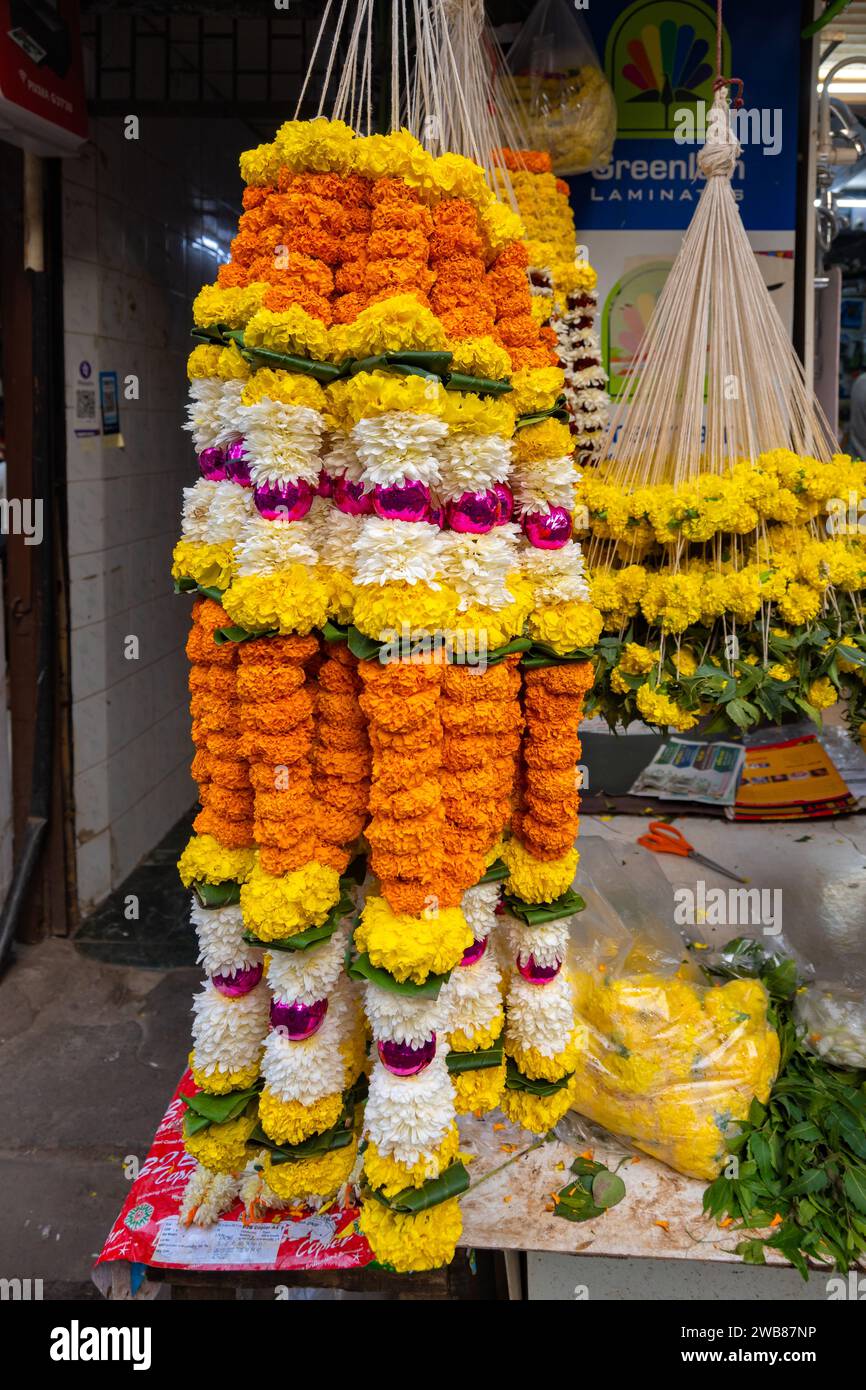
(292,331)
(205,860)
(411,948)
(800,604)
(618,683)
(535,1113)
(478,1089)
(823,693)
(497,626)
(659,709)
(222,1148)
(260,166)
(290,388)
(235,305)
(411,1243)
(481,357)
(480,1038)
(232,365)
(341,593)
(537,1066)
(499,226)
(535,388)
(566,626)
(636,660)
(781,670)
(380,609)
(377,393)
(203,361)
(685,662)
(399,156)
(311,1177)
(537,880)
(219,1083)
(390,1177)
(276,907)
(295,600)
(548,439)
(396,324)
(210,565)
(462,410)
(291,1122)
(319,146)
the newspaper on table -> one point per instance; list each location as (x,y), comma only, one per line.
(693,770)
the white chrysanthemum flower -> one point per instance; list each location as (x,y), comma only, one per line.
(310,1070)
(558,575)
(588,379)
(302,977)
(230,508)
(385,551)
(340,457)
(478,566)
(334,533)
(267,547)
(544,484)
(220,931)
(230,412)
(203,412)
(539,1016)
(403,1018)
(548,942)
(282,441)
(399,445)
(197,502)
(207,1196)
(408,1116)
(473,463)
(227,1033)
(473,995)
(479,908)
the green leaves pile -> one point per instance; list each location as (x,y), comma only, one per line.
(801,1158)
(594,1191)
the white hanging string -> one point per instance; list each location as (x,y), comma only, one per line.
(716,377)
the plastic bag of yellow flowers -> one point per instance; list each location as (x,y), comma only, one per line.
(569,108)
(663,1058)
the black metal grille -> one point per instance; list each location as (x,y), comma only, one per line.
(153,62)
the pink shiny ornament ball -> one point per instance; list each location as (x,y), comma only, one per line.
(473,953)
(473,513)
(238,464)
(241,982)
(351,498)
(402,1059)
(409,501)
(548,530)
(505,499)
(298,1021)
(287,500)
(212,465)
(538,974)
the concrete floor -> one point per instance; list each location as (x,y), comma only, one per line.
(90,1053)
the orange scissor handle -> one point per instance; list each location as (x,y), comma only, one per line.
(665,839)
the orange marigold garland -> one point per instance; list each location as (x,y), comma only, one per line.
(541,859)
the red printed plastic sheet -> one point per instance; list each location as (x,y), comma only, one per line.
(148,1231)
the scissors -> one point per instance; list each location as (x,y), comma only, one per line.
(666,839)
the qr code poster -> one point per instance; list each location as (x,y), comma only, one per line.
(86,420)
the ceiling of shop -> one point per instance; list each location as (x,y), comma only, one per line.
(845,37)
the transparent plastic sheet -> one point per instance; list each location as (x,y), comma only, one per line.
(832,1018)
(569,104)
(664,1059)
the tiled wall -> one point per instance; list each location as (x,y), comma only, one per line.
(136,215)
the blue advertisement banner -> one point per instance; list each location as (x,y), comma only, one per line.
(659,57)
